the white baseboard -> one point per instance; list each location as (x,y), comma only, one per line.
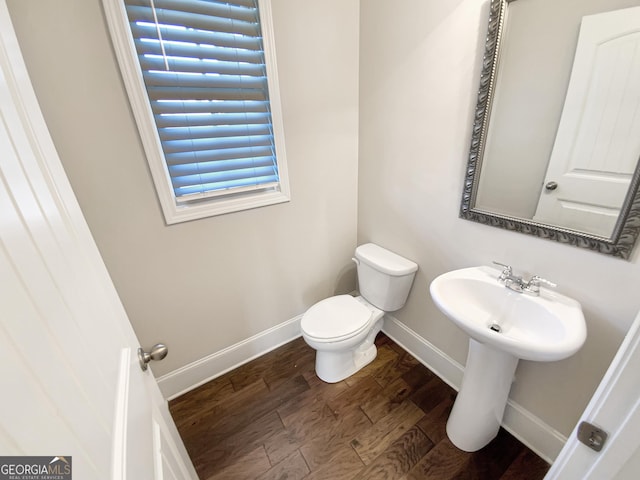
(522,424)
(429,355)
(180,381)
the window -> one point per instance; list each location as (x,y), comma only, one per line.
(202,83)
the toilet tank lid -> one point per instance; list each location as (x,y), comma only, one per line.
(385,260)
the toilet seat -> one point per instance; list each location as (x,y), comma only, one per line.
(335,318)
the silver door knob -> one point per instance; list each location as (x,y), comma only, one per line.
(551,186)
(158,352)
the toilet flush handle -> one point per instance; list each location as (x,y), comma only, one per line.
(355,260)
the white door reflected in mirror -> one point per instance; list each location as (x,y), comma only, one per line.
(597,145)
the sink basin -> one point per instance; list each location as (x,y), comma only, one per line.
(545,328)
(505,326)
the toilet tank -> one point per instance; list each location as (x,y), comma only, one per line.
(384,277)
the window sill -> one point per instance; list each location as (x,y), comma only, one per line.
(209,208)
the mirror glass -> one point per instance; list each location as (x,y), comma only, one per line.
(556,138)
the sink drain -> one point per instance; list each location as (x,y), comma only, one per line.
(495,327)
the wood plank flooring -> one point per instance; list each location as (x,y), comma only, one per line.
(272,418)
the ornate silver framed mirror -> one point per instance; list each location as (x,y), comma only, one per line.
(555,148)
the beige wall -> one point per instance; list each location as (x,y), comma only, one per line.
(204,285)
(419,73)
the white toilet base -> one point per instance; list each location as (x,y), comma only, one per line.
(334,366)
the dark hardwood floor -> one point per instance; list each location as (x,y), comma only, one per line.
(274,419)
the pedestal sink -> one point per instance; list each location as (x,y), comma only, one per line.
(504,326)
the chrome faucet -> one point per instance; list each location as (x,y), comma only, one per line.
(518,284)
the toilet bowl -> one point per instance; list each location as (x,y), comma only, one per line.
(342,329)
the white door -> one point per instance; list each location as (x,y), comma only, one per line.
(71,381)
(615,408)
(597,145)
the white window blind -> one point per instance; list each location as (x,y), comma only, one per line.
(203,65)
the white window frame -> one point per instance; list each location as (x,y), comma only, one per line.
(176,212)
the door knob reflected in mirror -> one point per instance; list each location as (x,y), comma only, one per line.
(158,352)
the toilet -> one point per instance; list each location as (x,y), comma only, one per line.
(342,329)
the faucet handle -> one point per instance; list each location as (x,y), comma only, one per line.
(506,267)
(507,271)
(537,280)
(533,285)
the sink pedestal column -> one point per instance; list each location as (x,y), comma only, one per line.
(479,406)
